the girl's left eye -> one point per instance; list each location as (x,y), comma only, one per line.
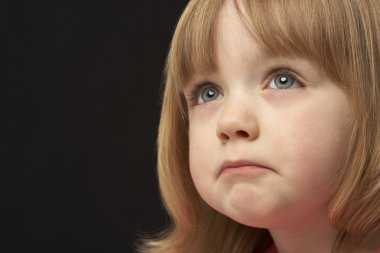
(207,93)
(284,80)
(204,93)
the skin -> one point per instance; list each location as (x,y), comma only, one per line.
(295,136)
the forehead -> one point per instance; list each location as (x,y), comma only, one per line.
(233,34)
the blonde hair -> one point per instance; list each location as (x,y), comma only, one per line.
(340,36)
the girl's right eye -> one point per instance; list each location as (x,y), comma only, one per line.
(204,93)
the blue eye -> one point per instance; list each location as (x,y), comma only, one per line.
(284,81)
(207,93)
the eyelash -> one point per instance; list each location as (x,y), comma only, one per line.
(198,87)
(279,70)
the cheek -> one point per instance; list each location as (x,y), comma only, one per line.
(201,156)
(202,138)
(312,143)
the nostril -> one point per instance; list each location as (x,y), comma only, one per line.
(224,136)
(241,133)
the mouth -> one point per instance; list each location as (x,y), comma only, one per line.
(240,165)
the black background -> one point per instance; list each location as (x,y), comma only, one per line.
(83,87)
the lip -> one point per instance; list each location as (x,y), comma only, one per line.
(227,165)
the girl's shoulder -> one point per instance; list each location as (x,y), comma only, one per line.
(271,249)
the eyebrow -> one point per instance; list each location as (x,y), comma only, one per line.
(193,80)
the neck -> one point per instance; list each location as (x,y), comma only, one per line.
(320,239)
(312,235)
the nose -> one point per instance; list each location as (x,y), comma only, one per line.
(237,121)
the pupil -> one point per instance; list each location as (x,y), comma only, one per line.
(210,93)
(283,79)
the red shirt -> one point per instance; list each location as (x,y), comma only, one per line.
(273,249)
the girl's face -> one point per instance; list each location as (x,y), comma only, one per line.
(267,134)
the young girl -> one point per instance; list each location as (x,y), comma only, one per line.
(269,137)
